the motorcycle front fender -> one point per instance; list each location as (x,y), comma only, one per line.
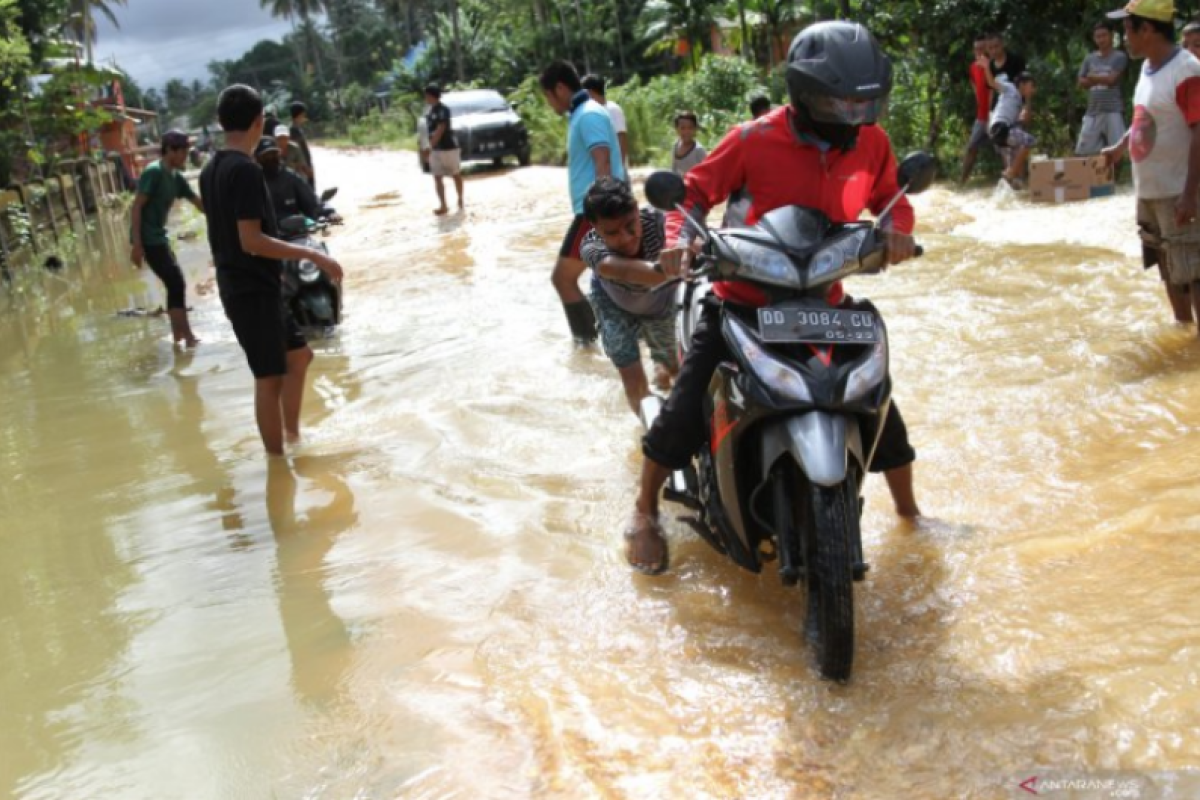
(820,442)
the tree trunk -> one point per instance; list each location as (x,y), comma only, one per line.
(440,54)
(587,62)
(315,46)
(458,53)
(562,21)
(620,38)
(844,9)
(741,6)
(297,45)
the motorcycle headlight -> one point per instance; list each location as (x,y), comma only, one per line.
(783,380)
(826,264)
(869,374)
(309,271)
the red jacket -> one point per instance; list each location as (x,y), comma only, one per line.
(983,92)
(778,169)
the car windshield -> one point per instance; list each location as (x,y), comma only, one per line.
(477,104)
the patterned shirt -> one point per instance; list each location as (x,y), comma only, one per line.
(637,300)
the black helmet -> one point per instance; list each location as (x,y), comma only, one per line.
(837,74)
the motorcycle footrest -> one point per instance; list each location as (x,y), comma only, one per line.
(683,498)
(860,570)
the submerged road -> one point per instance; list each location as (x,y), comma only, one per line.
(429,598)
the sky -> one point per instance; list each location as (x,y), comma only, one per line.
(163,39)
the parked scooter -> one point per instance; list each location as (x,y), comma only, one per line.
(314,300)
(794,419)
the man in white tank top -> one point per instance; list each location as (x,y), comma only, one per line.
(1165,148)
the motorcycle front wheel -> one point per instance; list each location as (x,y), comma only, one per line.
(829,558)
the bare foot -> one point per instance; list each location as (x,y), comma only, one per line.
(441,212)
(645,547)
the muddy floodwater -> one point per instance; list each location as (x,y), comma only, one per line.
(428,599)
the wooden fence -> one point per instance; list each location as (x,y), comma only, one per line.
(35,216)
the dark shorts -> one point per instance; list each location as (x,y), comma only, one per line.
(265,329)
(162,263)
(580,227)
(679,431)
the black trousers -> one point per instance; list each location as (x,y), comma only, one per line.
(679,431)
(162,262)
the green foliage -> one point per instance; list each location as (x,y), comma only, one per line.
(719,92)
(14,47)
(547,130)
(394,128)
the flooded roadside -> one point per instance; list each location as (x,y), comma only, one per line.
(429,601)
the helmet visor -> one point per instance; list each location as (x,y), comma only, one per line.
(843,111)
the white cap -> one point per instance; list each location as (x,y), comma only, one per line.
(283,130)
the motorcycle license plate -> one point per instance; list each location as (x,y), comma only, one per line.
(816,325)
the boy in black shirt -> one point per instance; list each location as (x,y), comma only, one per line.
(241,233)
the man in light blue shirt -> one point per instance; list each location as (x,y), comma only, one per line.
(593,152)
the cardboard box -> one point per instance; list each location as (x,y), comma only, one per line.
(1065,180)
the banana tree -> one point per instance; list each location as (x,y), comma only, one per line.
(679,24)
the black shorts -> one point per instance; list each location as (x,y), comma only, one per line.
(265,329)
(580,227)
(162,263)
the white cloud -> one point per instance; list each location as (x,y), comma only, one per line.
(163,39)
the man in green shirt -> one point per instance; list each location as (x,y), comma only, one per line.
(158,188)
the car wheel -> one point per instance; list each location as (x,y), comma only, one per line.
(523,158)
(498,161)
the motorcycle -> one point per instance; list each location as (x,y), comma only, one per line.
(794,419)
(314,300)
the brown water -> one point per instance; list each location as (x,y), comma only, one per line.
(428,600)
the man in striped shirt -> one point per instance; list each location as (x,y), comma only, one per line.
(622,251)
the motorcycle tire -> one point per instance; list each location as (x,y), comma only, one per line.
(829,560)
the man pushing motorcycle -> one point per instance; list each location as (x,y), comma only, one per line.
(822,151)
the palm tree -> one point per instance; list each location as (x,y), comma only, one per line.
(775,15)
(291,10)
(673,22)
(458,53)
(82,20)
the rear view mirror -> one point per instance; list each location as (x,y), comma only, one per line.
(916,172)
(665,190)
(293,225)
(328,194)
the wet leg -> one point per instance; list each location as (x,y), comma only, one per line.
(900,483)
(663,375)
(637,389)
(181,329)
(268,412)
(646,548)
(440,183)
(292,395)
(1179,297)
(458,187)
(1194,291)
(968,164)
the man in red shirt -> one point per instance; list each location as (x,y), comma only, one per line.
(823,152)
(983,105)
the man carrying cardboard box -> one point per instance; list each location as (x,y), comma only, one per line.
(1163,137)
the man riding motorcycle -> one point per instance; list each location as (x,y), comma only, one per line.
(822,151)
(290,193)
